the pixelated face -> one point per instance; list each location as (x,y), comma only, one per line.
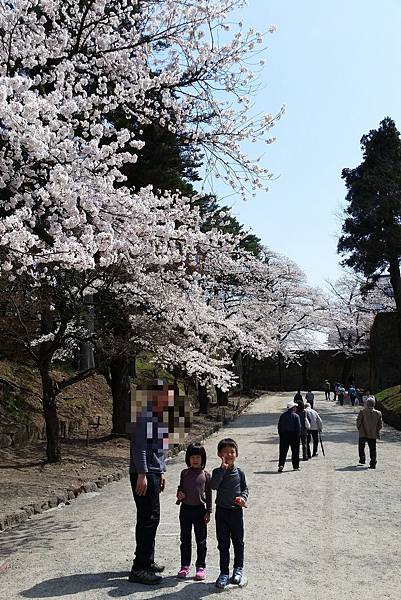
(195,461)
(168,417)
(228,454)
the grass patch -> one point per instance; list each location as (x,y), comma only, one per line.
(390,399)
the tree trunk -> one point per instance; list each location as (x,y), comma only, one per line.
(53,449)
(246,369)
(305,372)
(222,397)
(280,370)
(203,399)
(86,354)
(395,280)
(347,370)
(120,386)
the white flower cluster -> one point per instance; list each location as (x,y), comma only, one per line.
(71,228)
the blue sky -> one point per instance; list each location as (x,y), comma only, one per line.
(336,65)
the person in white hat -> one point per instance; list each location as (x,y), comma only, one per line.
(289,430)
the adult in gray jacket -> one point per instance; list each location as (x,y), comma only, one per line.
(316,425)
(369,423)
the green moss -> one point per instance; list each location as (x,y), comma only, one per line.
(391,399)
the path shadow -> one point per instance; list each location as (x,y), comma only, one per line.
(118,581)
(275,472)
(352,468)
(35,535)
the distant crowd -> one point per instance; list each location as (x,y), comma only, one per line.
(357,396)
(300,425)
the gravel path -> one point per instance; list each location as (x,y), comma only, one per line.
(330,531)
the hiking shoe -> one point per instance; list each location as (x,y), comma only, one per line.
(280,470)
(200,574)
(183,572)
(155,568)
(222,581)
(144,576)
(236,579)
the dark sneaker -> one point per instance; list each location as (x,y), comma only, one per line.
(372,466)
(222,581)
(155,568)
(144,576)
(362,462)
(280,470)
(236,579)
(296,469)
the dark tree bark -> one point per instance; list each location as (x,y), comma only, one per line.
(222,397)
(395,280)
(203,399)
(247,364)
(53,449)
(280,370)
(346,374)
(305,373)
(120,385)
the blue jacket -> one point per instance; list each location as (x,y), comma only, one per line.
(289,422)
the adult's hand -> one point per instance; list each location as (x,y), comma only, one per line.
(141,484)
(162,482)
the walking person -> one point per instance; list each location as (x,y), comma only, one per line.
(289,430)
(340,394)
(194,493)
(147,467)
(365,397)
(352,394)
(232,495)
(316,426)
(327,389)
(305,426)
(369,423)
(298,396)
(310,397)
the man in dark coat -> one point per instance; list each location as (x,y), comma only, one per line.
(289,430)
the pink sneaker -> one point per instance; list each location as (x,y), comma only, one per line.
(183,572)
(200,574)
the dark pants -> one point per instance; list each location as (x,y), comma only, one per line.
(341,399)
(287,439)
(304,444)
(327,395)
(352,398)
(147,520)
(313,434)
(372,450)
(193,516)
(230,526)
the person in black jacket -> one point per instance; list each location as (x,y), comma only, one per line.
(289,430)
(305,426)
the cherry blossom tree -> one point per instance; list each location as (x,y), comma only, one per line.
(70,229)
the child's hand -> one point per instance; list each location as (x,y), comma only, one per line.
(207,518)
(180,496)
(239,501)
(224,464)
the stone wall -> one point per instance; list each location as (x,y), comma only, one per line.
(385,352)
(311,370)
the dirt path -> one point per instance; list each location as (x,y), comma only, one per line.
(328,532)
